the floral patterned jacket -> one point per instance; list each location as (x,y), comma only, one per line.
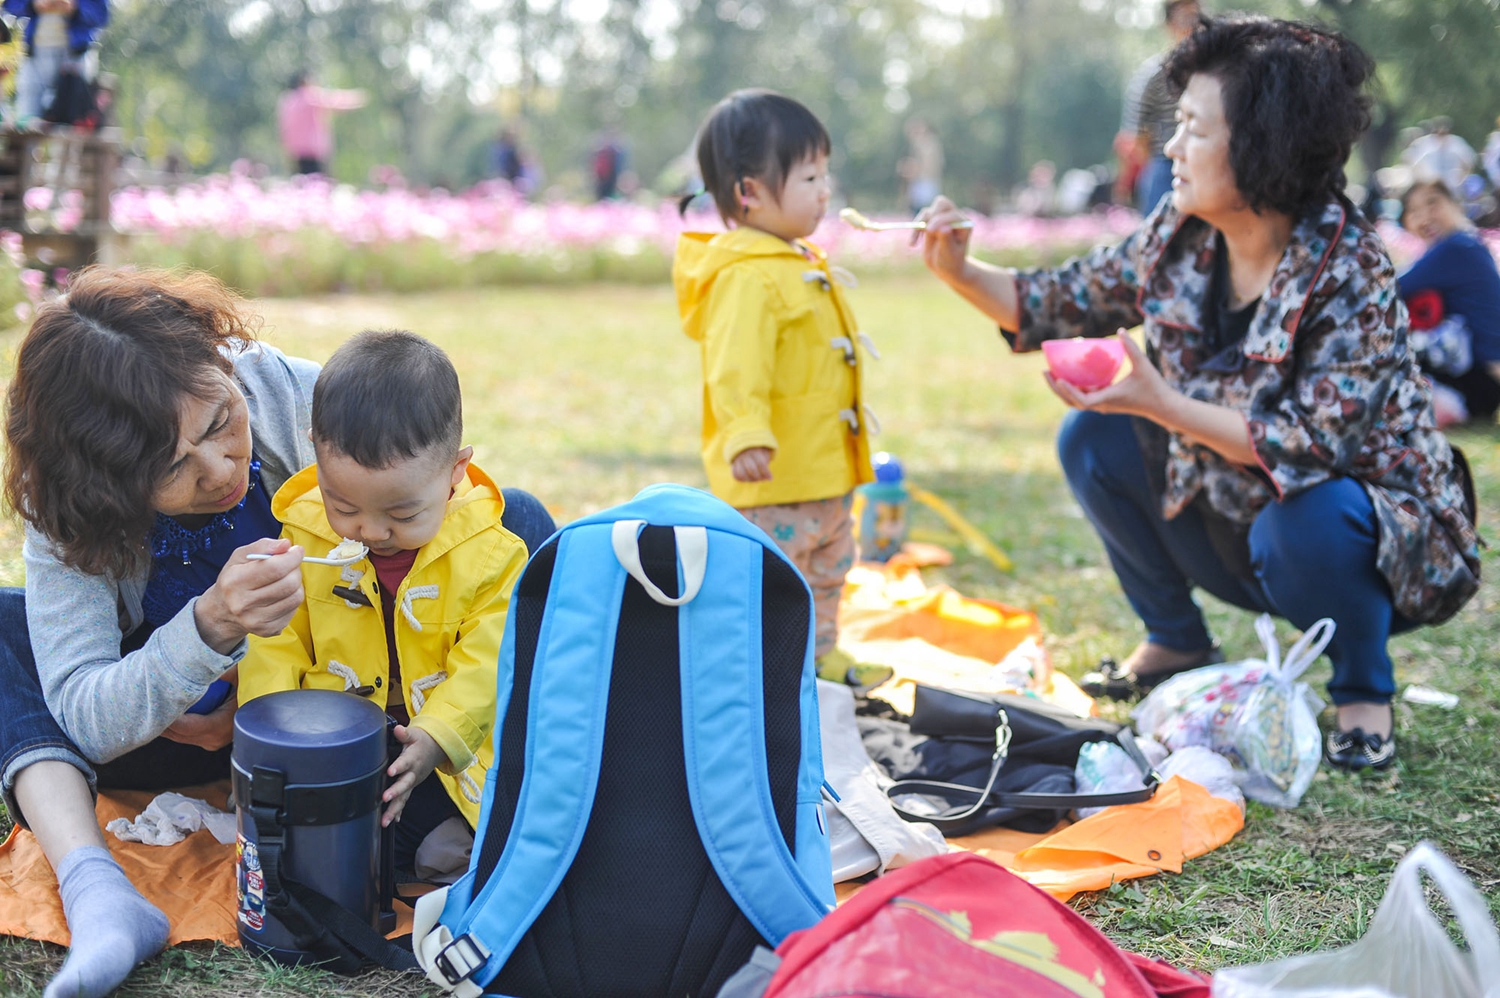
(1324,376)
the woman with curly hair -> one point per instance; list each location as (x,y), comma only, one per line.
(146,432)
(1274,443)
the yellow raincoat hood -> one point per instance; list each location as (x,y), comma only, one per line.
(783,365)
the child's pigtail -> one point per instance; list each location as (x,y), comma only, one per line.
(686,200)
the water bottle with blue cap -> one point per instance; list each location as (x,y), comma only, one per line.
(883,514)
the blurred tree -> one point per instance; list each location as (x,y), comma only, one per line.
(1004,82)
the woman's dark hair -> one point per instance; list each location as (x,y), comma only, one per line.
(1294,101)
(92,414)
(387,395)
(759,134)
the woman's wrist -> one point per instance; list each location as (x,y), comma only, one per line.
(216,626)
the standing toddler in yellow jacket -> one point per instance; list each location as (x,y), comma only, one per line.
(785,428)
(415,626)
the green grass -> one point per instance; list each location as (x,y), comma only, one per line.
(584,395)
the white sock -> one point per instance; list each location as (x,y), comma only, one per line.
(113,926)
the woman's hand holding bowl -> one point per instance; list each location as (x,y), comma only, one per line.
(251,597)
(1142,392)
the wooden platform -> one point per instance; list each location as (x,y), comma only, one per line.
(62,161)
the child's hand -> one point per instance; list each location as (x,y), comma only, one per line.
(415,763)
(753,464)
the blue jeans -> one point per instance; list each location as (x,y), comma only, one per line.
(28,731)
(1154,183)
(1311,556)
(30,734)
(36,83)
(527,518)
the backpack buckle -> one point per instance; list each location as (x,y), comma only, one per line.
(461,959)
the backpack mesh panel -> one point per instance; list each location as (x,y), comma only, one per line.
(527,603)
(641,911)
(783,637)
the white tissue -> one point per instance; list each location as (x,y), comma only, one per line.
(172,817)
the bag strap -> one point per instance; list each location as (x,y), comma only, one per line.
(724,744)
(318,924)
(1023,801)
(566,709)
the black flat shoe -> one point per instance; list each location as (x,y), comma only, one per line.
(1355,750)
(1110,681)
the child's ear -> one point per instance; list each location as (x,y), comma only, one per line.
(753,194)
(461,466)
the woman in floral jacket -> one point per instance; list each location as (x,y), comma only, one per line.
(1274,444)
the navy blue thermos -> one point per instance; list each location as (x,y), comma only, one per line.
(308,769)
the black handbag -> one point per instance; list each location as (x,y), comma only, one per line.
(1020,728)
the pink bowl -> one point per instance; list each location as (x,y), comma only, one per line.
(1085,363)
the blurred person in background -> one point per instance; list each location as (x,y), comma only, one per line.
(1491,157)
(1037,198)
(58,34)
(922,170)
(1452,293)
(609,165)
(1442,155)
(304,116)
(1150,107)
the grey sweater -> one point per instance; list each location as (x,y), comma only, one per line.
(108,704)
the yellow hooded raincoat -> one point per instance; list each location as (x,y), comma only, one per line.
(783,364)
(452,608)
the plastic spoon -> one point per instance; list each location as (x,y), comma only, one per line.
(352,551)
(859,221)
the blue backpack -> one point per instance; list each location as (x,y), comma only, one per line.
(654,811)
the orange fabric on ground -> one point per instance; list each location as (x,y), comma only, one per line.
(192,881)
(1183,821)
(896,604)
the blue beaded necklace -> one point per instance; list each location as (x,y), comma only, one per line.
(170,537)
(186,561)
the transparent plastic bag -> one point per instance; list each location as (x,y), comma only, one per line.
(1105,768)
(1255,713)
(1405,954)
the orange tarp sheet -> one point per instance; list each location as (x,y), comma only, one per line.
(192,881)
(1183,821)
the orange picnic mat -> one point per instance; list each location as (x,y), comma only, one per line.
(1183,821)
(889,615)
(192,881)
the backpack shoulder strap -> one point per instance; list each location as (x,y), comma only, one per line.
(472,939)
(723,715)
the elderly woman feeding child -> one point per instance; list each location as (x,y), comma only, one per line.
(1274,443)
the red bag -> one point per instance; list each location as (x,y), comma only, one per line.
(961,925)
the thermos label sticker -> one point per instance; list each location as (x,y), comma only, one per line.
(250,884)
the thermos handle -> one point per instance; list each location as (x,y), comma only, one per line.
(692,552)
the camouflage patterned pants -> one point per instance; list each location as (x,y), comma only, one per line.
(818,537)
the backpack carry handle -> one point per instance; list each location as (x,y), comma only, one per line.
(692,553)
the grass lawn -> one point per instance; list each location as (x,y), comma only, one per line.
(584,395)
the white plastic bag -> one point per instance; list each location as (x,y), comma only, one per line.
(1206,768)
(1405,954)
(1254,712)
(1105,768)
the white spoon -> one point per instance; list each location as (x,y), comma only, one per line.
(347,552)
(859,221)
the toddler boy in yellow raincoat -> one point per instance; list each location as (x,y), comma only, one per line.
(415,626)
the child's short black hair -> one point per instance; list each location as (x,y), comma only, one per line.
(759,134)
(387,395)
